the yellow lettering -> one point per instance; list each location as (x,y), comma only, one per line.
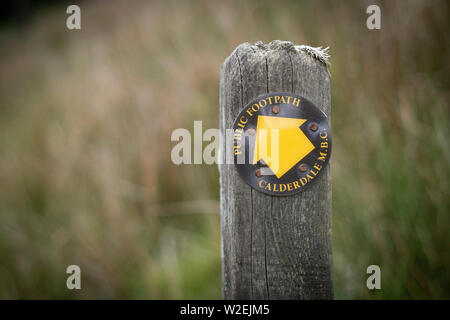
(322,156)
(260,183)
(303,181)
(277,98)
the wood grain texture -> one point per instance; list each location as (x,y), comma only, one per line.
(273,247)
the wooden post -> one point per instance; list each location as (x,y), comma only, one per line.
(273,247)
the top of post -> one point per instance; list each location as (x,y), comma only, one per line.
(316,54)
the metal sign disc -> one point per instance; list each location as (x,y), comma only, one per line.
(281,143)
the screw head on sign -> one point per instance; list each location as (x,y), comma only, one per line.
(258,173)
(314,126)
(303,167)
(275,109)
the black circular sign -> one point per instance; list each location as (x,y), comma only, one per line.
(281,143)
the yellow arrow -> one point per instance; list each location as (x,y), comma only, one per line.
(280,143)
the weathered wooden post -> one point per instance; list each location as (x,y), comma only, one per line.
(274,247)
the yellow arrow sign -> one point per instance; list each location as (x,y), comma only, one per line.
(280,143)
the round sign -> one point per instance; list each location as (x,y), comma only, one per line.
(281,143)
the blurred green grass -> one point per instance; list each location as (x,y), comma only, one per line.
(85,124)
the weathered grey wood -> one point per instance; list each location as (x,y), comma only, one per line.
(273,247)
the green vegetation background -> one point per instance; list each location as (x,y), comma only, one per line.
(85,124)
